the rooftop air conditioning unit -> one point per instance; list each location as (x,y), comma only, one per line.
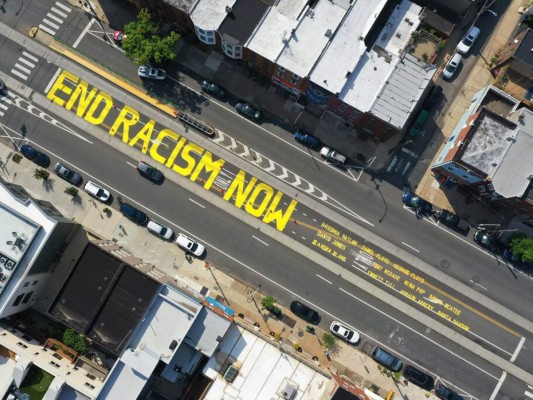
(289,392)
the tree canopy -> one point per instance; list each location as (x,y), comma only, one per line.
(75,341)
(522,247)
(143,43)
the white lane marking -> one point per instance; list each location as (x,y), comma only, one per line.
(498,386)
(83,33)
(64,15)
(48,22)
(518,348)
(412,330)
(528,394)
(324,279)
(23,69)
(482,287)
(131,165)
(64,7)
(21,76)
(52,81)
(411,247)
(195,202)
(47,30)
(303,238)
(259,240)
(31,57)
(52,16)
(29,64)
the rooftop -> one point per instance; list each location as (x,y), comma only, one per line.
(104,297)
(240,23)
(524,52)
(281,19)
(209,14)
(306,42)
(347,46)
(264,371)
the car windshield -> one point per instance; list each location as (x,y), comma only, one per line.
(163,231)
(467,41)
(193,247)
(100,192)
(349,335)
(451,67)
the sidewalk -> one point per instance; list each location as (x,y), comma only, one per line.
(422,178)
(167,257)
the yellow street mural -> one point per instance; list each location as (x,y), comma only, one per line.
(186,158)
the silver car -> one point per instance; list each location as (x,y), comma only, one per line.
(67,174)
(451,68)
(332,155)
(97,191)
(190,245)
(160,230)
(146,71)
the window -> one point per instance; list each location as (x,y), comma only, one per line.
(481,189)
(26,284)
(201,31)
(18,300)
(295,78)
(203,38)
(27,298)
(281,72)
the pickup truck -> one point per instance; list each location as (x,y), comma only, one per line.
(453,221)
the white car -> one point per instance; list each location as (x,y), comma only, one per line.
(332,155)
(146,71)
(160,230)
(344,333)
(97,191)
(190,245)
(464,45)
(451,68)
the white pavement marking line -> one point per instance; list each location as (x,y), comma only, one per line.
(131,165)
(21,76)
(64,15)
(47,30)
(52,16)
(82,34)
(416,332)
(498,386)
(392,163)
(529,394)
(31,57)
(324,279)
(23,69)
(411,247)
(259,240)
(518,348)
(48,22)
(405,168)
(29,64)
(64,7)
(482,287)
(52,81)
(195,202)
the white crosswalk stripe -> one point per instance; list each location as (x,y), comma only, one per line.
(55,18)
(3,105)
(24,65)
(529,394)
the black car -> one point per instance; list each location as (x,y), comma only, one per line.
(420,205)
(418,377)
(213,89)
(149,172)
(133,214)
(305,312)
(453,221)
(444,393)
(67,174)
(249,111)
(487,241)
(35,155)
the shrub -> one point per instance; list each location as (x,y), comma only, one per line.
(16,157)
(330,341)
(72,191)
(41,174)
(268,302)
(75,341)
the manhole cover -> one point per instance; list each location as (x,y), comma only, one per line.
(444,264)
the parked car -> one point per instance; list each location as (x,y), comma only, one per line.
(35,155)
(444,393)
(97,191)
(67,174)
(190,245)
(386,359)
(465,45)
(451,68)
(487,241)
(307,139)
(249,111)
(119,36)
(160,230)
(145,71)
(332,155)
(418,377)
(416,129)
(344,333)
(433,97)
(305,312)
(215,90)
(149,172)
(453,221)
(413,201)
(517,261)
(133,214)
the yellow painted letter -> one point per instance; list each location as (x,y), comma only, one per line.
(59,85)
(188,158)
(277,215)
(128,117)
(158,141)
(238,184)
(210,166)
(145,134)
(257,209)
(108,103)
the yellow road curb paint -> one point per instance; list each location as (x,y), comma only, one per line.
(131,88)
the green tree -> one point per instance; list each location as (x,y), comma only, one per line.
(522,247)
(268,302)
(330,341)
(75,341)
(143,43)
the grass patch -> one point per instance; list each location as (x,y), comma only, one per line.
(36,383)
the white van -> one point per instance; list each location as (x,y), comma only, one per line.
(464,46)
